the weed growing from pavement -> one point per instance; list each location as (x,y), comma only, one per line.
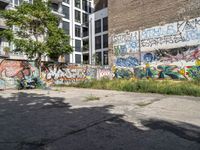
(92,98)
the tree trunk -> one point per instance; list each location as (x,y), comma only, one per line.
(38,64)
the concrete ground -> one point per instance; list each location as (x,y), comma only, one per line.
(65,119)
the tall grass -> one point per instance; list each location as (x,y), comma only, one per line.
(191,88)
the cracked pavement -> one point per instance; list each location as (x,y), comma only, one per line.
(62,119)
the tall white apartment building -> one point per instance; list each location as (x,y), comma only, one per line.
(76,23)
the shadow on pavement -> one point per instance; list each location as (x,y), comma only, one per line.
(40,122)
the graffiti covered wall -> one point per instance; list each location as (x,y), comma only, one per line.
(62,74)
(168,51)
(179,34)
(11,71)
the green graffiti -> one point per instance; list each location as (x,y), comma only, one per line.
(194,72)
(168,71)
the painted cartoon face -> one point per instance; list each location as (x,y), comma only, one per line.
(148,57)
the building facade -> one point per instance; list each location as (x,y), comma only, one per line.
(98,34)
(74,16)
(76,25)
(154,33)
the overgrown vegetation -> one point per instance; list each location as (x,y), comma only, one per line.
(171,87)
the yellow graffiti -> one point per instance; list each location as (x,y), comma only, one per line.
(182,72)
(197,62)
(147,65)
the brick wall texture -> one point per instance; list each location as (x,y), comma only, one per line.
(133,15)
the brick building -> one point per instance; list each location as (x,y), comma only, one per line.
(137,27)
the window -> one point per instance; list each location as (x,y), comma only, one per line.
(98,42)
(77,31)
(85,58)
(67,58)
(77,16)
(105,58)
(85,31)
(98,58)
(54,7)
(66,1)
(90,7)
(85,18)
(17,2)
(105,24)
(77,3)
(66,27)
(84,5)
(65,11)
(78,45)
(98,26)
(86,45)
(105,40)
(78,58)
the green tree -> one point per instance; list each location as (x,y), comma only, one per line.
(38,34)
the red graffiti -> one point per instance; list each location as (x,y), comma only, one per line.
(13,68)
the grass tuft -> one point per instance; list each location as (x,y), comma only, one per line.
(92,98)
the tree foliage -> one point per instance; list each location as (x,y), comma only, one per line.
(38,33)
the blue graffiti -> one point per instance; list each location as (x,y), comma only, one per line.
(149,57)
(192,35)
(156,32)
(127,62)
(132,46)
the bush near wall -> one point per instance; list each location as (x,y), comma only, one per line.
(171,87)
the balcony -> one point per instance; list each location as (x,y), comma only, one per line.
(4,3)
(57,10)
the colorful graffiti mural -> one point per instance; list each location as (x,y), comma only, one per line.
(127,62)
(12,71)
(125,43)
(104,73)
(62,74)
(169,44)
(180,63)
